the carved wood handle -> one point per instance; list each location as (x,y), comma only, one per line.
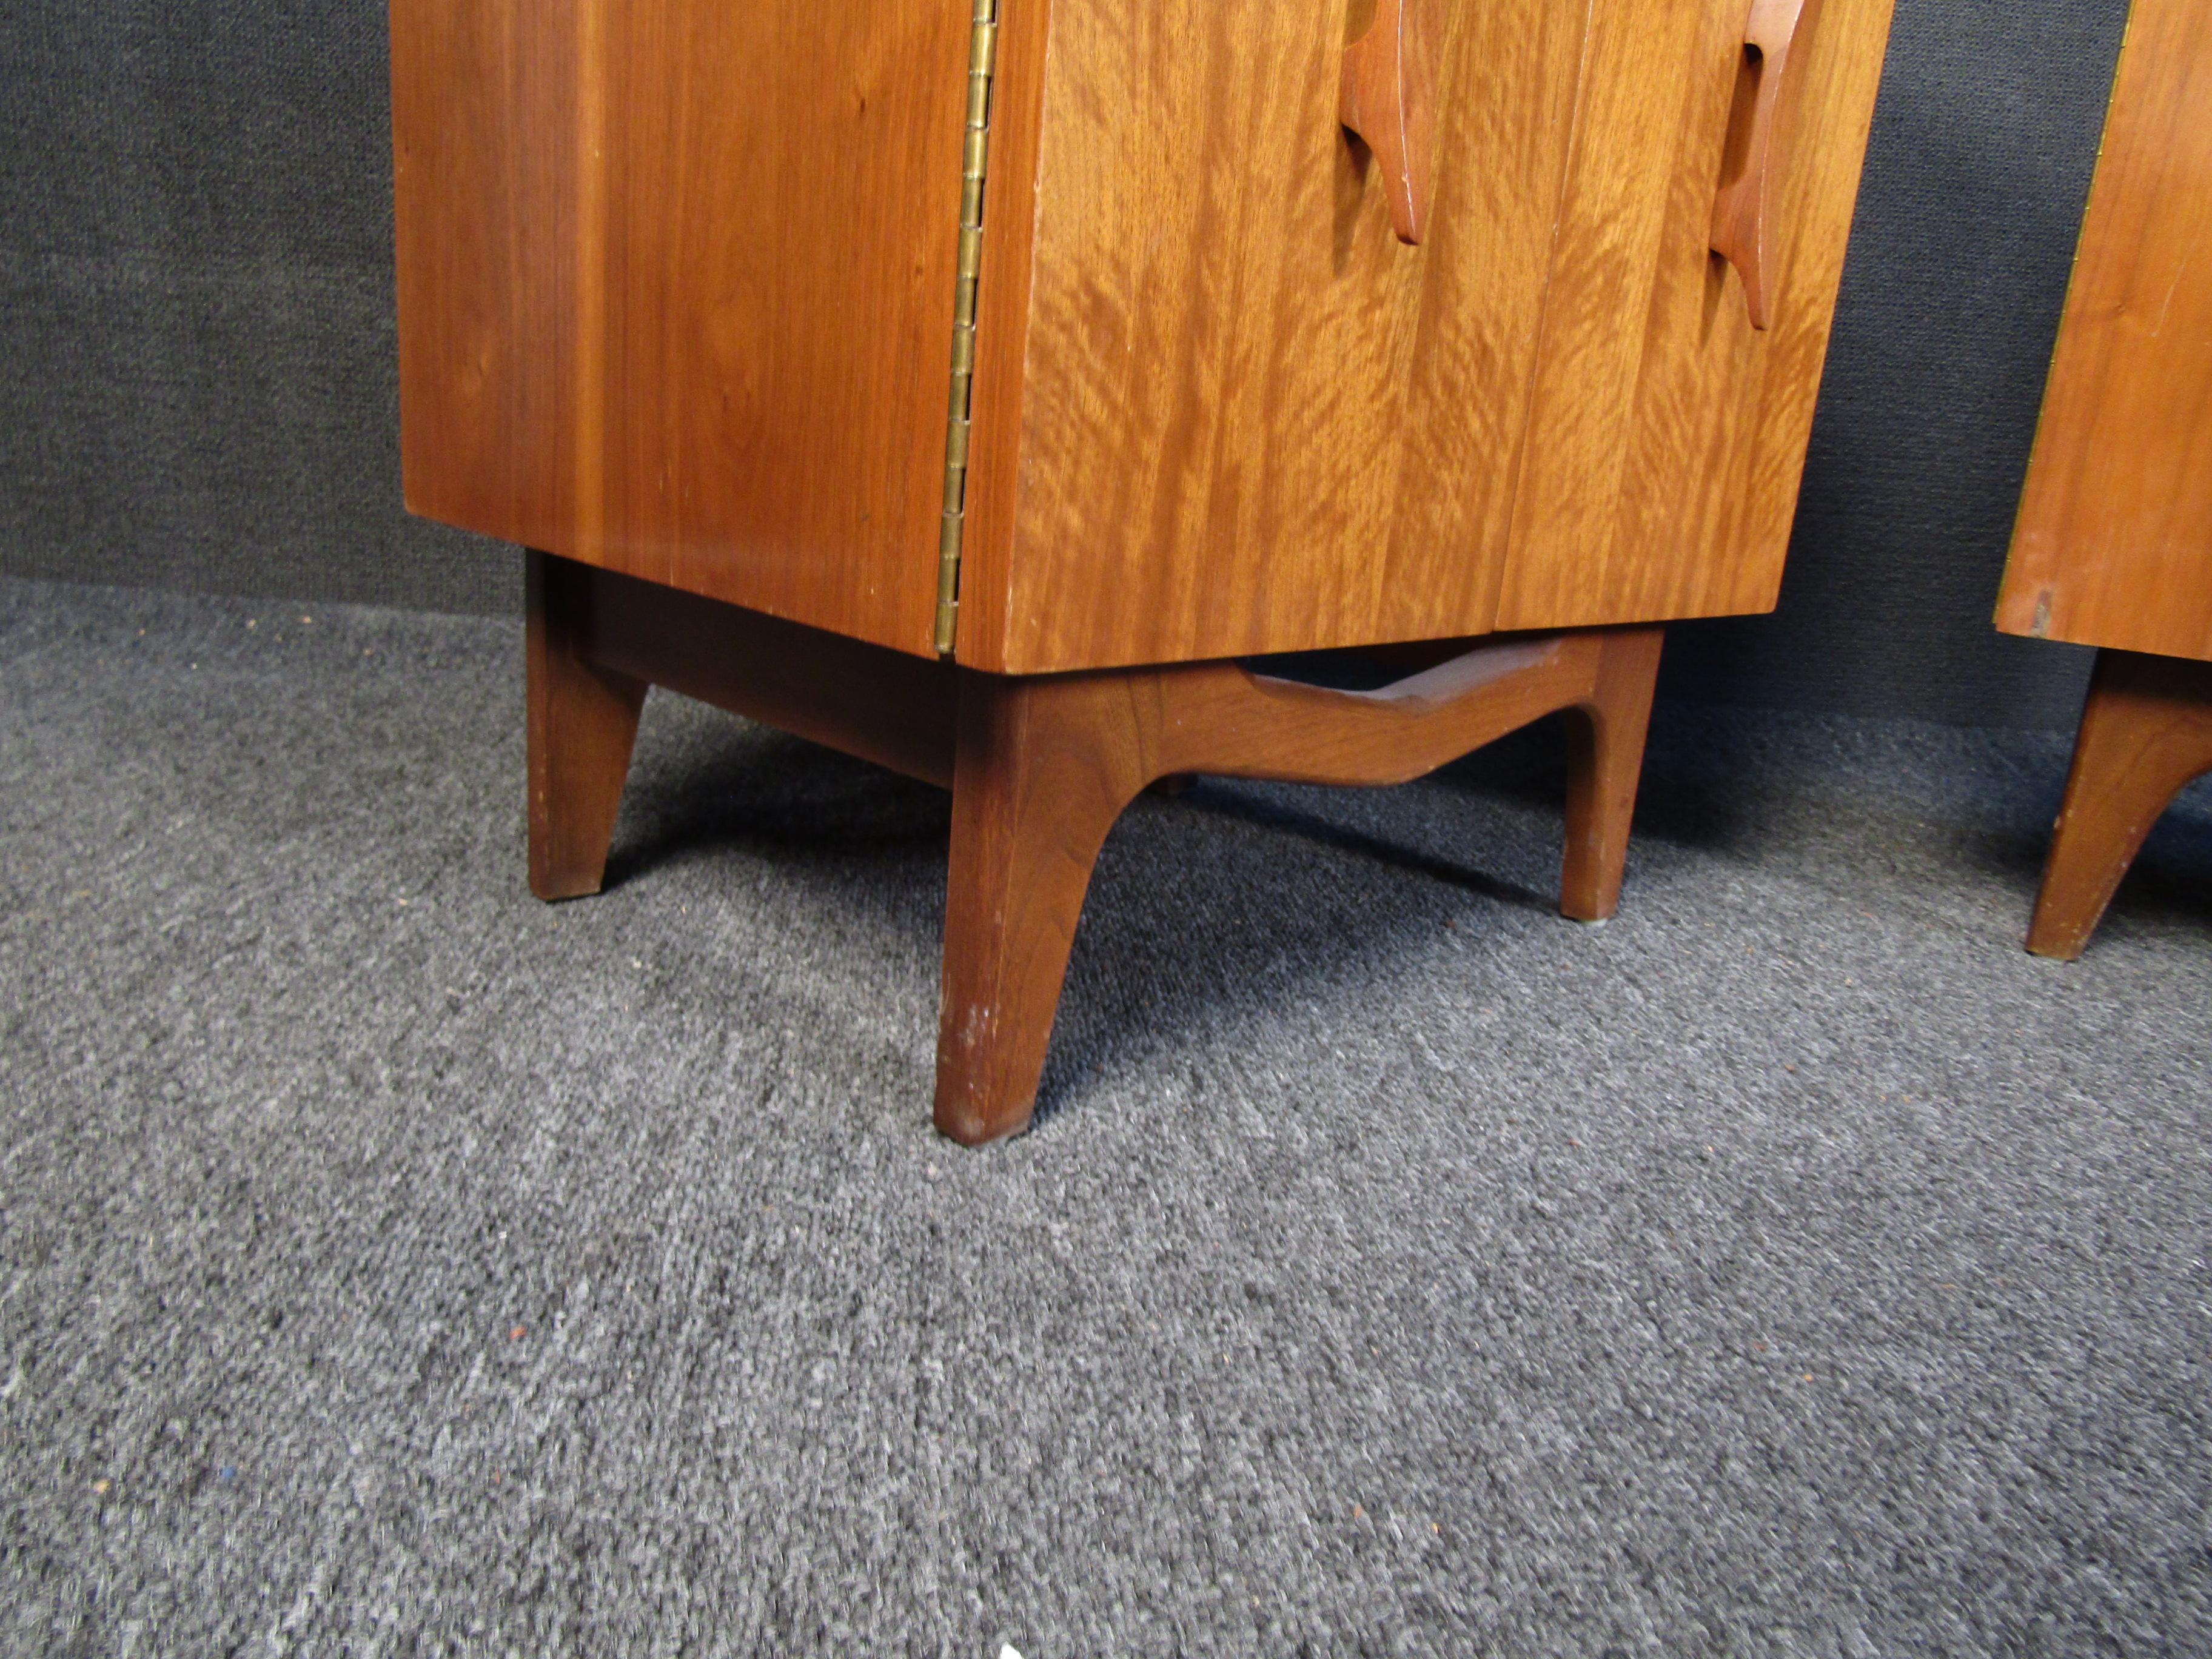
(1387,98)
(1749,204)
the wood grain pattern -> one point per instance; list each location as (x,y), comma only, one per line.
(1046,765)
(676,290)
(1243,418)
(675,295)
(2114,543)
(2146,732)
(1667,437)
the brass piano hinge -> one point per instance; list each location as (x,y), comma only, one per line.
(975,155)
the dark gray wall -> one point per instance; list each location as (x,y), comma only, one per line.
(196,344)
(197,354)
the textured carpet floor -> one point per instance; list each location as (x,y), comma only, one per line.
(390,1264)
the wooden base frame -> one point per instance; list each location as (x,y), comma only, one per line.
(1041,767)
(2146,733)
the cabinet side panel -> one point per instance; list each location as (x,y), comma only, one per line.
(1253,421)
(1667,441)
(484,159)
(676,287)
(2114,545)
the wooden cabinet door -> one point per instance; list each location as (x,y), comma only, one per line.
(2114,546)
(1221,409)
(1667,435)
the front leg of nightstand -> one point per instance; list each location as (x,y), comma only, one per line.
(2146,732)
(1045,765)
(1043,769)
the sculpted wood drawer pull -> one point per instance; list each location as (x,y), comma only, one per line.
(1387,98)
(1745,212)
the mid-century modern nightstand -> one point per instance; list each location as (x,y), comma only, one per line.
(2114,545)
(977,385)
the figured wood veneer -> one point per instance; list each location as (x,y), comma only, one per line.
(1244,417)
(676,287)
(1667,438)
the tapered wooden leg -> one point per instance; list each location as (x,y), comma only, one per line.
(2146,732)
(583,723)
(1044,767)
(1605,762)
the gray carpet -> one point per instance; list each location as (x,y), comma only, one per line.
(391,1265)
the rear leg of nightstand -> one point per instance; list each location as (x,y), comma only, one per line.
(1605,762)
(2146,732)
(583,723)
